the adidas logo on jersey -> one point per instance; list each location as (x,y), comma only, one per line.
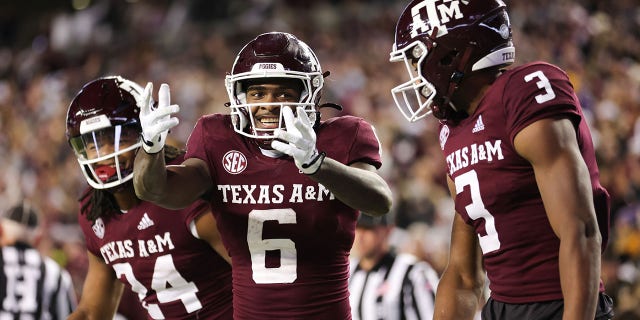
(479,126)
(145,222)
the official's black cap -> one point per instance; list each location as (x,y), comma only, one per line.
(24,214)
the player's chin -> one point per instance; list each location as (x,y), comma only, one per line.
(264,143)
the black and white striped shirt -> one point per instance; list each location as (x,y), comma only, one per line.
(33,286)
(398,287)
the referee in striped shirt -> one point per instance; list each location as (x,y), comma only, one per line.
(384,285)
(32,286)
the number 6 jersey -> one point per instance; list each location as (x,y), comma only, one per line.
(288,237)
(496,189)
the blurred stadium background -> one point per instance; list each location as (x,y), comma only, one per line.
(49,49)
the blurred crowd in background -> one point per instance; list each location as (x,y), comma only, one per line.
(49,49)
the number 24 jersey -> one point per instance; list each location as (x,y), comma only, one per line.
(154,252)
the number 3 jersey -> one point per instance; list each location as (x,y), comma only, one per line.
(288,236)
(154,252)
(496,188)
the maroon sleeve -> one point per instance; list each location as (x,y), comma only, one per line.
(201,145)
(86,230)
(195,143)
(195,210)
(536,92)
(85,225)
(349,139)
(366,147)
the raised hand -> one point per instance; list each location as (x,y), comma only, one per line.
(157,120)
(299,141)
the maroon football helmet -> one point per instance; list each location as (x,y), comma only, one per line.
(272,55)
(103,124)
(441,43)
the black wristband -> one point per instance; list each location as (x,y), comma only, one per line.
(320,157)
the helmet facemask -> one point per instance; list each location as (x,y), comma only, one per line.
(103,129)
(429,92)
(243,119)
(106,155)
(277,58)
(415,96)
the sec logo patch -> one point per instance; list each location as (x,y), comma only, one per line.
(234,162)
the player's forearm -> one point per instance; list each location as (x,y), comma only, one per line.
(82,314)
(358,188)
(97,306)
(580,274)
(78,314)
(150,176)
(169,186)
(456,301)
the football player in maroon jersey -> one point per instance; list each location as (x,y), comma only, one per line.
(520,164)
(172,259)
(286,188)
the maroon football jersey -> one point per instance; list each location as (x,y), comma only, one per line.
(288,237)
(154,253)
(496,188)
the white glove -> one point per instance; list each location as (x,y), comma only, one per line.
(156,121)
(300,141)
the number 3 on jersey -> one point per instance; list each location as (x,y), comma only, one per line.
(542,83)
(476,210)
